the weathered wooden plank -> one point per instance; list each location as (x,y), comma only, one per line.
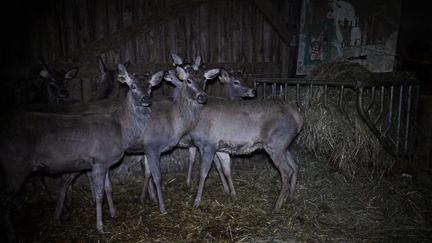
(69,26)
(163,45)
(272,14)
(127,12)
(112,16)
(266,41)
(181,37)
(99,19)
(91,13)
(61,27)
(204,30)
(248,34)
(194,38)
(119,13)
(221,32)
(171,33)
(213,34)
(89,52)
(82,21)
(237,12)
(258,40)
(186,29)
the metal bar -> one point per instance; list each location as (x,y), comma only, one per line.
(280,91)
(264,91)
(399,117)
(414,117)
(390,110)
(285,93)
(273,90)
(407,122)
(363,83)
(372,99)
(381,105)
(298,95)
(371,126)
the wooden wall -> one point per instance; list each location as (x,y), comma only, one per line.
(234,33)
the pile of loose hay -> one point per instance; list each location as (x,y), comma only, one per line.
(340,136)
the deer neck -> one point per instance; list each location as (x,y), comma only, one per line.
(185,112)
(132,119)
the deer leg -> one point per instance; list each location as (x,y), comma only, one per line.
(225,162)
(207,155)
(108,192)
(280,161)
(293,178)
(45,186)
(147,185)
(152,192)
(67,179)
(192,153)
(153,164)
(11,187)
(218,166)
(98,173)
(6,214)
(89,176)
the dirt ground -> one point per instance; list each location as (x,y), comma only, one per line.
(328,206)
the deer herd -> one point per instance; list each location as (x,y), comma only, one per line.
(123,118)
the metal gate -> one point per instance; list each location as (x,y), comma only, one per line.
(388,108)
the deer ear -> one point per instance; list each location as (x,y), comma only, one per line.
(45,74)
(223,76)
(181,73)
(176,59)
(211,74)
(72,73)
(102,67)
(156,78)
(171,77)
(197,63)
(123,75)
(126,64)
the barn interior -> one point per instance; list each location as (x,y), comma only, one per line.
(364,154)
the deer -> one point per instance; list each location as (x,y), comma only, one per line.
(58,143)
(165,127)
(234,88)
(247,126)
(108,89)
(56,83)
(170,123)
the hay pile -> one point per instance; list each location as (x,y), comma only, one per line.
(340,137)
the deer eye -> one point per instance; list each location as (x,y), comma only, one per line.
(236,82)
(133,86)
(189,81)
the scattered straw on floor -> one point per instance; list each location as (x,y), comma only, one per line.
(328,206)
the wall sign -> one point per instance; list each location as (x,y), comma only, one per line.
(361,31)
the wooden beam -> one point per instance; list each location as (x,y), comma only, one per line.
(270,11)
(89,52)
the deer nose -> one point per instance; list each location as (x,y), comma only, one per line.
(253,93)
(63,94)
(202,98)
(145,101)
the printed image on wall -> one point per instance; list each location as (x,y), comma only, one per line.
(361,31)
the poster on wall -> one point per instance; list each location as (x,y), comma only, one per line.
(361,31)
